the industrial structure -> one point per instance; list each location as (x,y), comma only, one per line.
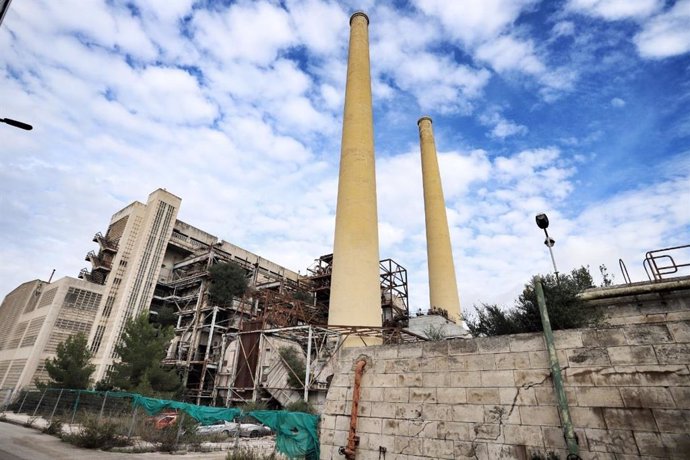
(149,261)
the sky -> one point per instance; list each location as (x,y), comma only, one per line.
(576,108)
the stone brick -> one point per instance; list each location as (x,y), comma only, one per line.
(647,397)
(435,364)
(493,344)
(616,441)
(678,353)
(483,396)
(587,417)
(334,407)
(408,445)
(643,334)
(539,359)
(518,396)
(441,412)
(524,435)
(423,395)
(570,338)
(643,375)
(511,360)
(531,377)
(527,342)
(385,352)
(451,395)
(480,362)
(435,349)
(397,366)
(368,394)
(409,351)
(397,395)
(506,452)
(672,420)
(464,379)
(342,422)
(652,444)
(456,431)
(435,379)
(369,425)
(374,442)
(586,357)
(469,450)
(681,396)
(603,338)
(498,378)
(487,431)
(546,395)
(457,362)
(539,415)
(502,414)
(680,331)
(678,443)
(438,448)
(379,380)
(468,413)
(599,397)
(642,354)
(382,409)
(629,419)
(462,346)
(408,380)
(583,376)
(553,437)
(408,411)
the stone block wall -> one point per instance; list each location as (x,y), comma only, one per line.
(489,398)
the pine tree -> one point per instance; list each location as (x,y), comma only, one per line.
(141,350)
(71,367)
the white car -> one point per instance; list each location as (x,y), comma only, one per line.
(247,430)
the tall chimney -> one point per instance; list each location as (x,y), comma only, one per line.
(355,285)
(443,287)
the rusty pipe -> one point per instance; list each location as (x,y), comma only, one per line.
(352,438)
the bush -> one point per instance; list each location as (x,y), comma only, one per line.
(94,435)
(297,370)
(300,406)
(54,428)
(564,306)
(228,280)
(248,454)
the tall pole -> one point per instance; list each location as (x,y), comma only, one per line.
(443,285)
(355,286)
(556,377)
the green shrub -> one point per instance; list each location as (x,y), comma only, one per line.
(300,406)
(94,435)
(297,370)
(248,454)
(54,428)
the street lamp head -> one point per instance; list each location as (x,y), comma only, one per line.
(542,221)
(16,124)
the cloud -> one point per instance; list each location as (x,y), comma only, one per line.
(617,102)
(667,34)
(500,126)
(616,9)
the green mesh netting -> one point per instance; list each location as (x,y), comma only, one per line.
(296,432)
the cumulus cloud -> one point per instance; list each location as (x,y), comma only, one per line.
(616,9)
(617,102)
(667,34)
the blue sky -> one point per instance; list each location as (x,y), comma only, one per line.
(576,108)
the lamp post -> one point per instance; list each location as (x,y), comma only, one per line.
(16,124)
(543,223)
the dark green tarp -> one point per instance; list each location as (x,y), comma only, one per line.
(296,432)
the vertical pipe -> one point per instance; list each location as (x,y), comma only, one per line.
(355,286)
(19,411)
(352,438)
(306,373)
(443,284)
(56,404)
(557,378)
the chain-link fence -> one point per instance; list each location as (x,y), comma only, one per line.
(109,419)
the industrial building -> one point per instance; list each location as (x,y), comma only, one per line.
(148,260)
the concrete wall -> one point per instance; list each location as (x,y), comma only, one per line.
(489,398)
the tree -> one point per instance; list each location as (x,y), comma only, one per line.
(228,280)
(565,308)
(141,350)
(71,367)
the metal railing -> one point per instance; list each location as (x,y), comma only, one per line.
(663,263)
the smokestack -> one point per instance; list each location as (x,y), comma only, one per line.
(355,285)
(443,287)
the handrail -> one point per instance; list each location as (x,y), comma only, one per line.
(656,271)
